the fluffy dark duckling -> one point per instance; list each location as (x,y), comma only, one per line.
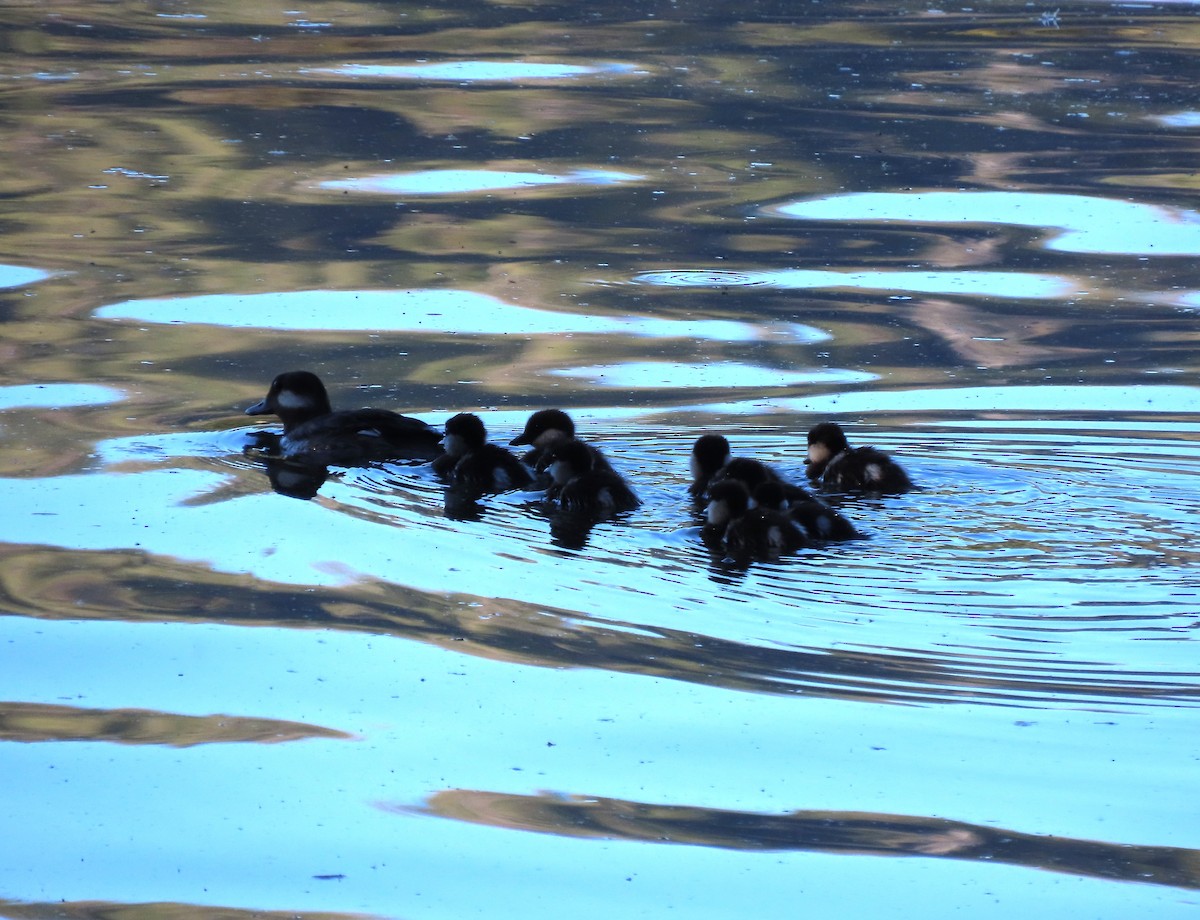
(710,453)
(711,463)
(746,531)
(472,462)
(817,520)
(838,467)
(582,487)
(314,433)
(546,428)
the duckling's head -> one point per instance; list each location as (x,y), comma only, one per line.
(464,432)
(769,494)
(709,454)
(294,396)
(569,459)
(825,441)
(546,427)
(727,500)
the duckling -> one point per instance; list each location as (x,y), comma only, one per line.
(582,487)
(816,519)
(314,433)
(710,453)
(711,463)
(543,430)
(842,468)
(474,463)
(727,501)
(750,532)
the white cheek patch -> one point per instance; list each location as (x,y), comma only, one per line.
(289,399)
(817,453)
(560,472)
(694,466)
(716,513)
(873,472)
(454,445)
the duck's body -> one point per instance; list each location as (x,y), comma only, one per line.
(475,464)
(546,428)
(818,521)
(314,433)
(584,488)
(745,531)
(838,467)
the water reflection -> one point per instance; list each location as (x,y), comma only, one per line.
(991,284)
(465,181)
(18,276)
(477,71)
(30,722)
(829,831)
(432,310)
(57,395)
(717,375)
(1089,224)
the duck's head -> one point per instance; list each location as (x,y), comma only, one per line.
(569,459)
(770,495)
(464,432)
(825,441)
(727,500)
(296,397)
(709,454)
(546,427)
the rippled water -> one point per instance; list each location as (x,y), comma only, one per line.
(963,233)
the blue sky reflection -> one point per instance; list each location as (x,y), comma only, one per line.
(18,275)
(987,284)
(1032,399)
(719,374)
(1085,224)
(57,395)
(477,71)
(434,311)
(465,181)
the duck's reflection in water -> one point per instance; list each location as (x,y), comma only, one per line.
(462,504)
(295,479)
(569,529)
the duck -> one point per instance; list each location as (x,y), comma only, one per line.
(314,433)
(546,428)
(818,521)
(712,462)
(710,453)
(582,486)
(746,530)
(474,463)
(838,467)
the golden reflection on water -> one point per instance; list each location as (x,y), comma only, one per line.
(820,831)
(29,722)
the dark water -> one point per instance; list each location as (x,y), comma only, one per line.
(967,234)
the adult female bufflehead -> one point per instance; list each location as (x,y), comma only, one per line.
(314,433)
(470,461)
(746,531)
(582,486)
(838,467)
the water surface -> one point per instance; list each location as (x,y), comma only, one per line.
(967,235)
